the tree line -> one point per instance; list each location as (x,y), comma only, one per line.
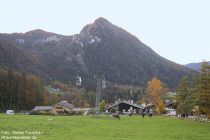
(22,92)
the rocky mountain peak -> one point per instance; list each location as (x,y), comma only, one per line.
(99,25)
(102,21)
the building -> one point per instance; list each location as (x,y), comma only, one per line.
(61,108)
(43,109)
(149,108)
(170,104)
(170,107)
(125,106)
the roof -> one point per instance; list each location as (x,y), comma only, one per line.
(126,102)
(42,108)
(170,103)
(149,106)
(66,104)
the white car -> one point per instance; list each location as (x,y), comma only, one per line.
(10,112)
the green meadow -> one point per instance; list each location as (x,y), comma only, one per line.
(101,128)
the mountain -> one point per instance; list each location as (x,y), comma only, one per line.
(195,66)
(17,59)
(100,48)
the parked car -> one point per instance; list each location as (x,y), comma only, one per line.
(10,112)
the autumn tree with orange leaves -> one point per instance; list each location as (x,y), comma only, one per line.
(155,94)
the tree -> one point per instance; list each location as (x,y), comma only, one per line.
(203,96)
(34,92)
(19,91)
(184,97)
(23,93)
(155,94)
(91,98)
(10,87)
(102,106)
(3,89)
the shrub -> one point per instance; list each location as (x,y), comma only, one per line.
(91,111)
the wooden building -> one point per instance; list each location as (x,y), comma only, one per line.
(44,109)
(63,107)
(124,107)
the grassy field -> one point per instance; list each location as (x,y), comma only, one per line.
(102,128)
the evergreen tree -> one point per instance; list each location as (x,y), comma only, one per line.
(3,89)
(184,97)
(10,86)
(203,97)
(102,106)
(23,93)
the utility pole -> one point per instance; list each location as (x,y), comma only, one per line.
(100,84)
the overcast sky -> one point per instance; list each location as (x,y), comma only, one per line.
(178,30)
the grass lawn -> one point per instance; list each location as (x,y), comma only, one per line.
(103,128)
